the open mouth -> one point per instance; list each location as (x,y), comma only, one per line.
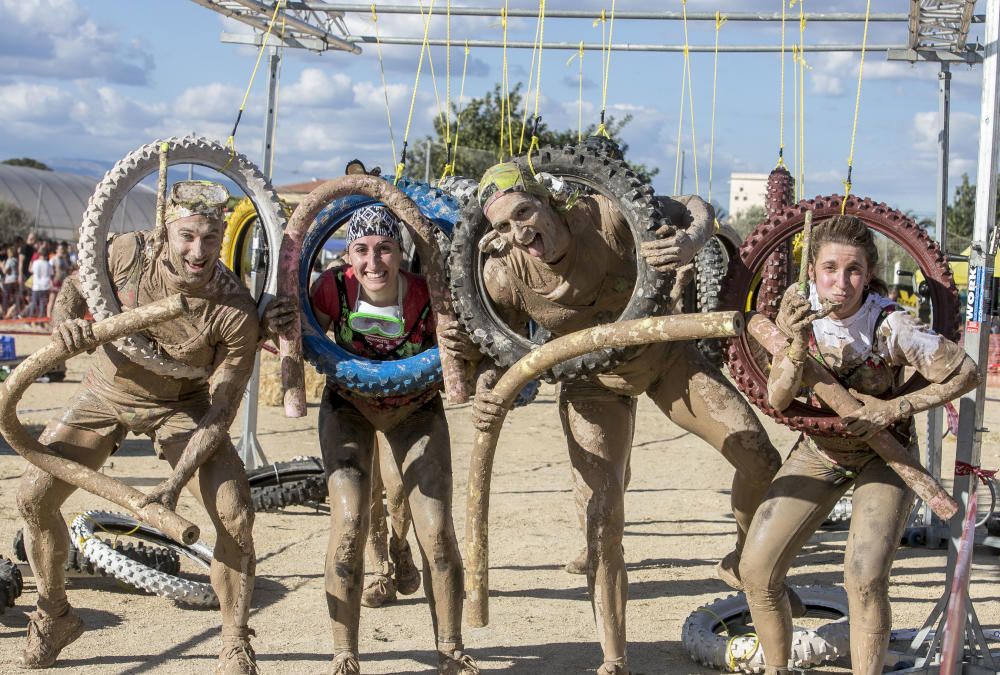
(376,275)
(195,267)
(535,247)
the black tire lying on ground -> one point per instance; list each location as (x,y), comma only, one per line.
(600,173)
(159,558)
(300,481)
(11,583)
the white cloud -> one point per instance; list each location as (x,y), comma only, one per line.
(36,103)
(316,87)
(824,84)
(215,102)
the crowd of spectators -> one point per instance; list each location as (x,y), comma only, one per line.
(33,272)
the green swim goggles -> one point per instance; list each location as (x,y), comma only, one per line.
(387,322)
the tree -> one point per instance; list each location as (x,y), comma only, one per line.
(960,216)
(28,162)
(479,137)
(744,221)
(14,222)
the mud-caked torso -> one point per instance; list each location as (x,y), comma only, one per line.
(221,325)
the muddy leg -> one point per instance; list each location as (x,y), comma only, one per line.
(347,441)
(881,506)
(381,588)
(699,399)
(797,502)
(599,427)
(407,576)
(38,500)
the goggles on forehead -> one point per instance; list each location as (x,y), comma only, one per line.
(199,193)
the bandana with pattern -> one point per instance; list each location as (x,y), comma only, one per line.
(373,219)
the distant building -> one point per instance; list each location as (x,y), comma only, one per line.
(293,193)
(57,201)
(746,190)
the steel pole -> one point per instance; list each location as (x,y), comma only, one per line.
(977,318)
(249,447)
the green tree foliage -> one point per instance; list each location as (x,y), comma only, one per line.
(744,221)
(14,222)
(479,137)
(961,214)
(28,162)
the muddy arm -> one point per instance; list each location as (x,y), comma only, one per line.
(70,303)
(49,356)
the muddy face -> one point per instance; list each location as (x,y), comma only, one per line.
(524,221)
(193,246)
(376,260)
(841,273)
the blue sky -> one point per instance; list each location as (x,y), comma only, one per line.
(93,79)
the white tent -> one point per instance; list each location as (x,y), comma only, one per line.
(58,200)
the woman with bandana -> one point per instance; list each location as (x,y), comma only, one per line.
(374,309)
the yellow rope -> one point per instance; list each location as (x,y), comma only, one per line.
(606,67)
(731,657)
(385,87)
(795,115)
(687,66)
(538,83)
(231,142)
(531,76)
(579,117)
(449,168)
(857,107)
(680,129)
(413,99)
(277,90)
(447,84)
(442,114)
(720,19)
(504,83)
(781,100)
(801,160)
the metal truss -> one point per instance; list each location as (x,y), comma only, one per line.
(301,26)
(939,31)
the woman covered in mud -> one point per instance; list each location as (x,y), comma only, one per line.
(375,310)
(848,325)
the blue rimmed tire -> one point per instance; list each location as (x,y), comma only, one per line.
(357,374)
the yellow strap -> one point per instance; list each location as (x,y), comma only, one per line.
(857,107)
(447,61)
(801,182)
(781,100)
(531,78)
(687,66)
(449,168)
(538,82)
(430,64)
(720,20)
(385,87)
(504,93)
(680,130)
(579,115)
(401,166)
(231,142)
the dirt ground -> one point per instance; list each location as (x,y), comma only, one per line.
(678,525)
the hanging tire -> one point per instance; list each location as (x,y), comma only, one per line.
(300,481)
(104,557)
(363,376)
(128,172)
(705,641)
(600,173)
(749,373)
(11,583)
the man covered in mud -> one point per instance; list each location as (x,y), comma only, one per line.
(564,268)
(188,419)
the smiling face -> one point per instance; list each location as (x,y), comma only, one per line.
(525,221)
(376,260)
(841,272)
(193,246)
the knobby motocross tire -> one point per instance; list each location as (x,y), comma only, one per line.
(600,173)
(159,558)
(11,583)
(355,373)
(143,577)
(710,268)
(110,192)
(300,481)
(775,232)
(704,632)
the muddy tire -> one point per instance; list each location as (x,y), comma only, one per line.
(773,234)
(363,376)
(711,265)
(11,583)
(145,578)
(594,171)
(300,481)
(704,632)
(159,558)
(113,188)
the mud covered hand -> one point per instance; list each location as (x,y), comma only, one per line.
(875,415)
(671,251)
(165,494)
(487,410)
(280,317)
(75,335)
(795,318)
(458,343)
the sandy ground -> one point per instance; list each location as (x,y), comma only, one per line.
(678,525)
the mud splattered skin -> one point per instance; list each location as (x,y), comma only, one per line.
(867,352)
(588,285)
(187,419)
